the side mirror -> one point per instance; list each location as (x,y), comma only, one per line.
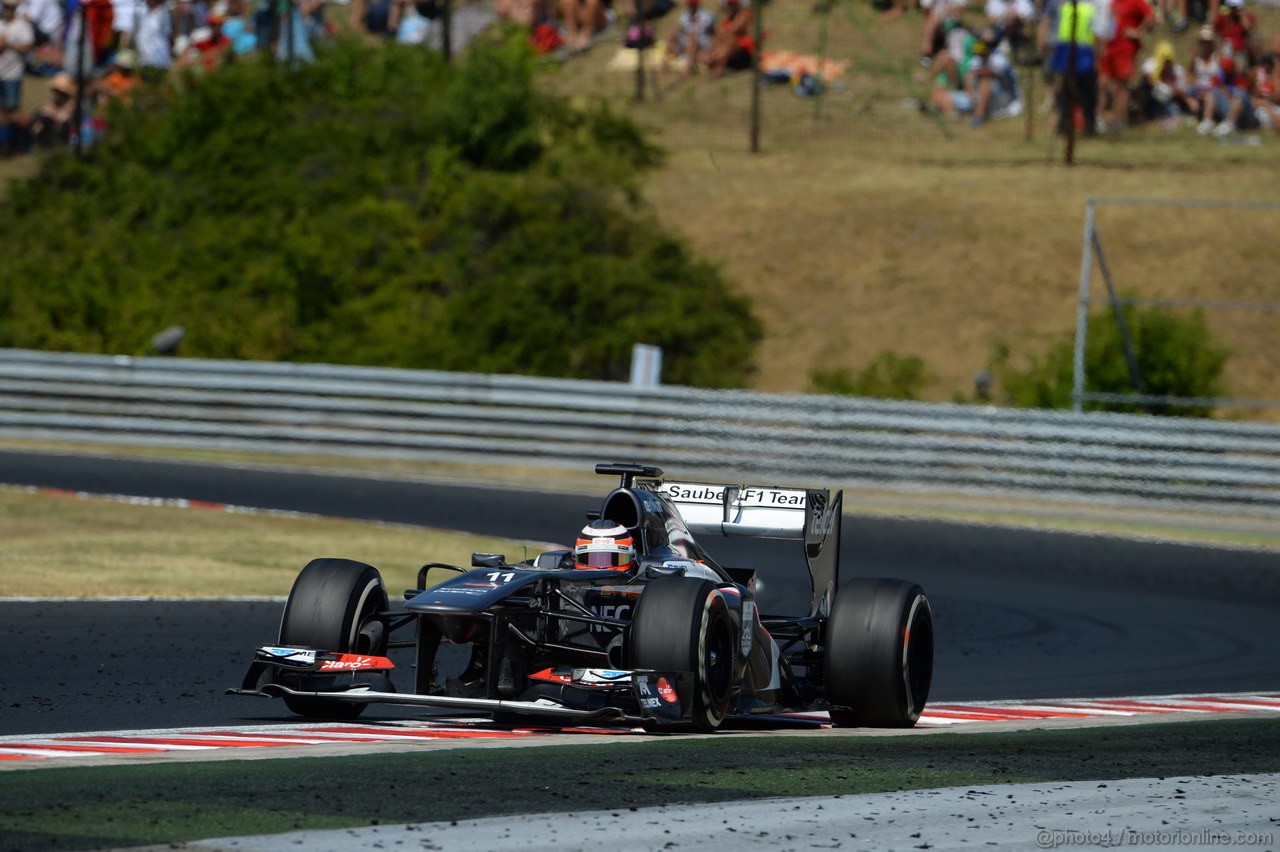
(488,560)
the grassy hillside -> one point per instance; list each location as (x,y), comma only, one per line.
(864,225)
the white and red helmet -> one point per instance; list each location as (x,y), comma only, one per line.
(604,545)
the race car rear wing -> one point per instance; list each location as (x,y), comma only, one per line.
(810,515)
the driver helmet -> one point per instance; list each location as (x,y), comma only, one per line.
(604,545)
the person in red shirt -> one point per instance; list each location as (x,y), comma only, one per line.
(1236,26)
(1132,19)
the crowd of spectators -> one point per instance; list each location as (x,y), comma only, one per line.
(93,51)
(1107,61)
(1092,54)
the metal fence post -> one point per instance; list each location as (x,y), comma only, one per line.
(1082,308)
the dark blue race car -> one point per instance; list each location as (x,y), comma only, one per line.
(668,639)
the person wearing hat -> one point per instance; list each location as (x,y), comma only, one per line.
(122,77)
(1203,68)
(16,40)
(1162,93)
(51,124)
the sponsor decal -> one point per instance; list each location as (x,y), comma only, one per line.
(748,623)
(666,692)
(594,676)
(355,662)
(618,612)
(460,591)
(551,675)
(774,497)
(296,656)
(822,523)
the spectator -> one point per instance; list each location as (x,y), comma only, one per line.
(943,18)
(46,19)
(1174,13)
(125,15)
(1063,24)
(734,46)
(376,17)
(988,87)
(1204,68)
(52,123)
(525,13)
(1162,93)
(582,19)
(1253,99)
(1215,105)
(692,38)
(122,77)
(295,34)
(1132,18)
(188,16)
(207,46)
(1266,92)
(414,27)
(1236,26)
(155,41)
(16,40)
(1012,20)
(237,26)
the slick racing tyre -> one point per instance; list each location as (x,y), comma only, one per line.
(878,659)
(331,607)
(682,624)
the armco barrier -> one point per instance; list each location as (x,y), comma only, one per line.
(421,414)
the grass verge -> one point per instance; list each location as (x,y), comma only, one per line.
(67,546)
(90,807)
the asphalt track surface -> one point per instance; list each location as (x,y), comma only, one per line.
(1019,613)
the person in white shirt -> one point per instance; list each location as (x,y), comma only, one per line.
(16,40)
(692,39)
(155,39)
(46,19)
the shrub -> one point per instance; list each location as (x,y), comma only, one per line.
(375,207)
(1175,352)
(887,376)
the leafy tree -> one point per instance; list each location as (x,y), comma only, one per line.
(1175,352)
(376,207)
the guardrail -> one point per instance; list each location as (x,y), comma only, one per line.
(803,439)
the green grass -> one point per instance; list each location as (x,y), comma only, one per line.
(89,807)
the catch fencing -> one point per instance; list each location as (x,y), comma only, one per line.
(729,435)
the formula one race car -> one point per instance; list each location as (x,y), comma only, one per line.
(637,625)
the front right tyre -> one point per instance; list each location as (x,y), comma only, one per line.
(333,607)
(682,624)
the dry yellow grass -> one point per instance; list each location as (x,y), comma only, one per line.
(60,546)
(866,228)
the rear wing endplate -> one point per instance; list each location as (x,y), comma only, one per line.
(809,515)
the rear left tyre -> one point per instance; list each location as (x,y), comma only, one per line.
(878,654)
